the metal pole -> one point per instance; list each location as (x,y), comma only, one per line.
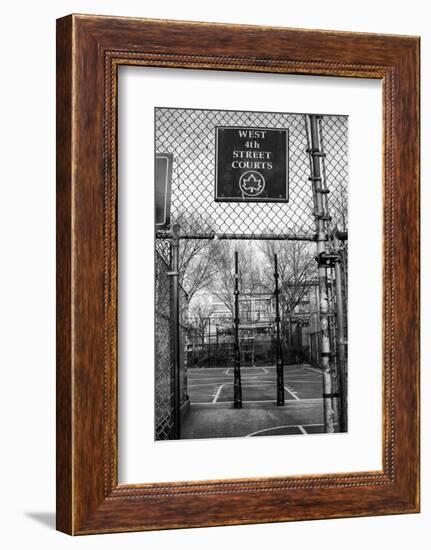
(161,234)
(321,218)
(341,337)
(336,404)
(217,348)
(175,329)
(209,342)
(309,324)
(237,390)
(310,356)
(280,368)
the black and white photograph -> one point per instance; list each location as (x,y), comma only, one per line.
(251,273)
(213,240)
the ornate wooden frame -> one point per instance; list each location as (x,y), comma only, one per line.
(89,51)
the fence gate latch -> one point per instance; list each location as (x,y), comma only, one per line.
(326,259)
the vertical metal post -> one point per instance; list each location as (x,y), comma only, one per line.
(175,324)
(217,347)
(310,352)
(209,342)
(309,325)
(333,343)
(237,390)
(341,336)
(322,237)
(280,368)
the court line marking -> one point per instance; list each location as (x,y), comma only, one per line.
(306,381)
(289,402)
(216,396)
(301,428)
(291,393)
(246,385)
(230,402)
(313,369)
(261,368)
(226,383)
(229,380)
(298,377)
(258,367)
(287,368)
(219,378)
(201,385)
(204,369)
(249,368)
(301,373)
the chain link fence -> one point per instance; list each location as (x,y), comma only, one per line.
(334,136)
(164,375)
(189,135)
(210,343)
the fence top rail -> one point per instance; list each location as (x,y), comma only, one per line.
(167,234)
(160,234)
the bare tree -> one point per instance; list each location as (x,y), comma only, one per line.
(296,265)
(297,269)
(339,209)
(224,282)
(196,264)
(199,313)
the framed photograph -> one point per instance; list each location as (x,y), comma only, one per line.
(237,274)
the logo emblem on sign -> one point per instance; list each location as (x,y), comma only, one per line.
(252,183)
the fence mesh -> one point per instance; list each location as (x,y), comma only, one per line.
(333,131)
(344,264)
(163,370)
(189,134)
(164,376)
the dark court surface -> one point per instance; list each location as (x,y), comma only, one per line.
(211,413)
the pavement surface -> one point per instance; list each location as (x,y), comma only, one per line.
(211,412)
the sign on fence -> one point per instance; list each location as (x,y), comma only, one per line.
(252,164)
(162,191)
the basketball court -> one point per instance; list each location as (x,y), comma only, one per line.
(251,269)
(212,414)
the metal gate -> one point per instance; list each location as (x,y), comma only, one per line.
(310,229)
